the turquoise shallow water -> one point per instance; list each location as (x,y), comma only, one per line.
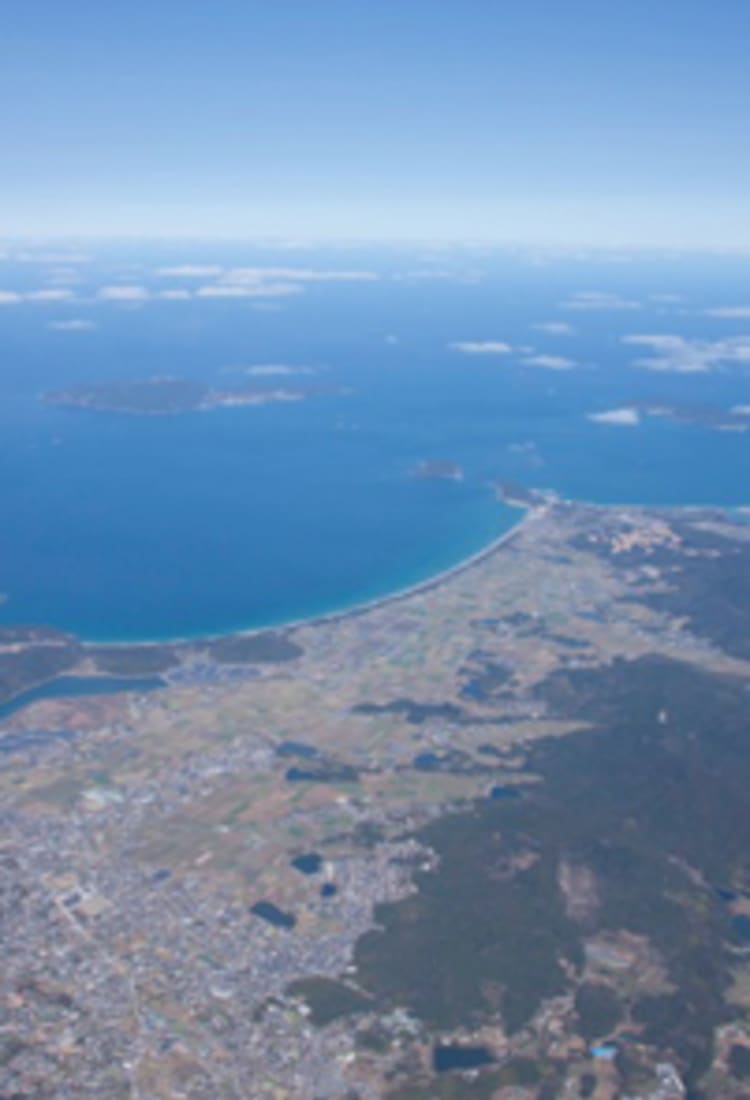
(122,527)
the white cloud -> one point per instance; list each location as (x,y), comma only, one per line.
(418,273)
(730,313)
(662,342)
(678,355)
(481,347)
(33,257)
(549,362)
(236,276)
(466,277)
(740,410)
(123,293)
(263,370)
(174,295)
(598,300)
(191,271)
(667,299)
(626,417)
(75,325)
(243,275)
(264,290)
(555,328)
(59,295)
(15,297)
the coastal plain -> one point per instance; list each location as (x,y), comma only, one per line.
(486,839)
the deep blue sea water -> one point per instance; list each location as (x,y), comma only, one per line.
(121,527)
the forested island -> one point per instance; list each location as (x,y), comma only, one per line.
(163,396)
(439,470)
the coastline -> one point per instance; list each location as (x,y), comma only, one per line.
(418,588)
(530,514)
(186,644)
(533,511)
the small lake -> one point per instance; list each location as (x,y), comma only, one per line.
(446,1058)
(271,913)
(741,929)
(308,864)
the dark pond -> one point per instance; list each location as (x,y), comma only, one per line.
(446,1058)
(500,793)
(267,911)
(322,773)
(741,928)
(308,864)
(474,690)
(296,748)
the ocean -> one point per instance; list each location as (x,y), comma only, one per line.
(122,527)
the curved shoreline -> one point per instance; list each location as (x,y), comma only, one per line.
(418,588)
(533,511)
(196,643)
(530,514)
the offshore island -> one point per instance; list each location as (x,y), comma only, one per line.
(165,396)
(438,470)
(486,840)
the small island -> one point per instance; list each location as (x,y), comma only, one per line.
(736,419)
(163,396)
(516,495)
(439,470)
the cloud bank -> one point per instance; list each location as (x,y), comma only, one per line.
(213,282)
(176,295)
(260,290)
(481,347)
(190,271)
(625,418)
(123,294)
(730,313)
(549,362)
(257,275)
(678,355)
(267,370)
(16,297)
(555,328)
(593,301)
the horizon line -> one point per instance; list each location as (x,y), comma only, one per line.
(292,241)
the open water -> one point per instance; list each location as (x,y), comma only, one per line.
(126,527)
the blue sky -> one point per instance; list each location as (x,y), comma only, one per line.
(559,121)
